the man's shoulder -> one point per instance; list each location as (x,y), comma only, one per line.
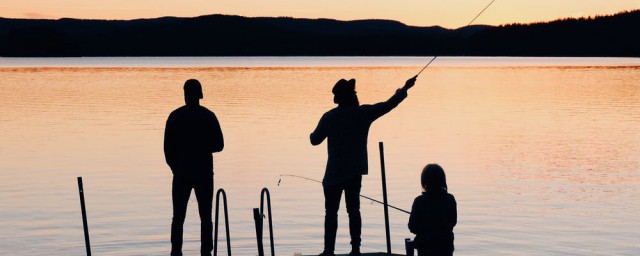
(350,109)
(177,112)
(331,112)
(366,106)
(206,110)
(191,109)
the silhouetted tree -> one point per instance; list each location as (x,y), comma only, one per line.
(224,35)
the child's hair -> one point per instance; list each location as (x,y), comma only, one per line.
(433,179)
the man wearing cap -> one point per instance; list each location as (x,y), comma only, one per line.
(347,127)
(192,134)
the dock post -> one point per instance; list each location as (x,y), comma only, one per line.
(257,217)
(84,216)
(384,197)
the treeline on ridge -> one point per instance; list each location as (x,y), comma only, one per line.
(224,35)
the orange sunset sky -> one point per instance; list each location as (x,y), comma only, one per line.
(449,13)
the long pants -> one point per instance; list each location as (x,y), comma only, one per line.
(181,190)
(332,196)
(435,251)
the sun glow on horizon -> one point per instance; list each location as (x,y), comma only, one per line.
(449,14)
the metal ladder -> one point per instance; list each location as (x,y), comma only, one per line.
(226,222)
(258,215)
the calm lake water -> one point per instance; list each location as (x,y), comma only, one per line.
(542,154)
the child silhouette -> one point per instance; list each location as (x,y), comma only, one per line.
(433,214)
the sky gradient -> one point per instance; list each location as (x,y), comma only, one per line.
(450,13)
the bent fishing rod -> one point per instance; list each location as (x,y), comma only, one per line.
(363,196)
(474,19)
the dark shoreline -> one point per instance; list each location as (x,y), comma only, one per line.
(226,36)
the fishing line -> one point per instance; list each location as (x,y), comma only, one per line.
(474,19)
(423,68)
(317,181)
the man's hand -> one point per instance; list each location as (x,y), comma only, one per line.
(410,83)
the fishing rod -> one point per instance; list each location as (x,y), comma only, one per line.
(474,19)
(363,196)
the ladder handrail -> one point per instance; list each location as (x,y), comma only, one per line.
(264,192)
(226,222)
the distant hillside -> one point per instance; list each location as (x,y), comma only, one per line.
(223,35)
(614,35)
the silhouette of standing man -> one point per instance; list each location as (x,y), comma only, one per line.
(191,135)
(347,127)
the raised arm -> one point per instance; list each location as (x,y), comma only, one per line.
(410,83)
(380,109)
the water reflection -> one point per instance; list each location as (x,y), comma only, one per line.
(546,155)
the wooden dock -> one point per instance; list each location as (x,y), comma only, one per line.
(368,254)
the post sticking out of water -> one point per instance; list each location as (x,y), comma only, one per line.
(257,218)
(84,217)
(384,197)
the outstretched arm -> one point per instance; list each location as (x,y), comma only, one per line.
(410,83)
(379,109)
